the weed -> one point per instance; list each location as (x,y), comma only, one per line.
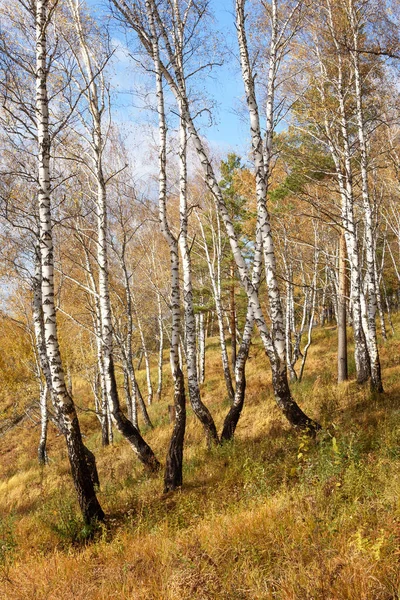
(8,545)
(62,516)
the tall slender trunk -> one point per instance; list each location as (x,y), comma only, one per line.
(345,182)
(174,461)
(106,439)
(160,347)
(105,425)
(124,426)
(370,333)
(141,402)
(262,154)
(136,396)
(232,418)
(132,416)
(380,305)
(64,405)
(44,421)
(342,313)
(42,356)
(233,317)
(312,307)
(199,408)
(215,277)
(360,349)
(202,349)
(387,304)
(145,353)
(289,317)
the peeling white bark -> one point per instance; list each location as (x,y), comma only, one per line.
(64,405)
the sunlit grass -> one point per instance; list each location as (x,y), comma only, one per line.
(272,516)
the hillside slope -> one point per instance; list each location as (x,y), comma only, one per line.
(270,516)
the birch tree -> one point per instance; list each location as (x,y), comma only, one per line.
(95,93)
(214,264)
(175,78)
(340,104)
(32,129)
(42,12)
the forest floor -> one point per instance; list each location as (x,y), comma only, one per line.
(271,516)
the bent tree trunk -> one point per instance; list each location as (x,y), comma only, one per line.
(124,426)
(175,78)
(199,408)
(140,400)
(215,277)
(96,109)
(173,467)
(232,418)
(143,451)
(174,462)
(64,405)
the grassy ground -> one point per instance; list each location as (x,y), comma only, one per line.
(271,516)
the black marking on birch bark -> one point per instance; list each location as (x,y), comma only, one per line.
(174,462)
(127,429)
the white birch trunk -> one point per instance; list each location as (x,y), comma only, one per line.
(200,410)
(215,278)
(160,347)
(177,86)
(345,182)
(370,332)
(312,307)
(44,421)
(145,352)
(104,419)
(64,405)
(174,462)
(95,105)
(232,418)
(202,349)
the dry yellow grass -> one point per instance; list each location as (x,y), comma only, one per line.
(271,517)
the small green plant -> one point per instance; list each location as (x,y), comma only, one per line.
(7,545)
(62,517)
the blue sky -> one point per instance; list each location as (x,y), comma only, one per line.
(227,87)
(228,132)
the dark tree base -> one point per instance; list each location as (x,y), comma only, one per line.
(233,416)
(376,377)
(91,464)
(42,455)
(292,411)
(128,430)
(143,408)
(173,467)
(83,469)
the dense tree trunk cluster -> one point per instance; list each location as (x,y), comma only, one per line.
(304,233)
